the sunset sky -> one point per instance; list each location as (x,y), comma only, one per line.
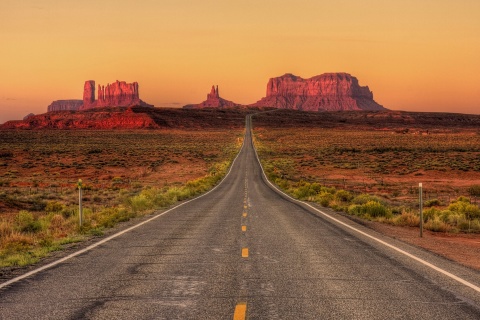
(414,55)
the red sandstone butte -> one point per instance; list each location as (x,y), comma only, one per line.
(213,101)
(65,105)
(326,92)
(117,94)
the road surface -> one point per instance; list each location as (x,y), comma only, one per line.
(246,251)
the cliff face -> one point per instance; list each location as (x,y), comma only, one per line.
(117,94)
(328,92)
(64,105)
(213,101)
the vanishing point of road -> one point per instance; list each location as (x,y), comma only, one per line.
(246,251)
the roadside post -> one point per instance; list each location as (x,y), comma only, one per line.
(80,209)
(420,194)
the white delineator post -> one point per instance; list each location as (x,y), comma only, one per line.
(420,195)
(80,210)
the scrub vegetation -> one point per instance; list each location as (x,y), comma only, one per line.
(125,175)
(374,174)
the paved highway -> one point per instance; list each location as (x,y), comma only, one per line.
(245,251)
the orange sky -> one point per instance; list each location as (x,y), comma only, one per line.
(414,55)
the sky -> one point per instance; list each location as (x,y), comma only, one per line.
(414,55)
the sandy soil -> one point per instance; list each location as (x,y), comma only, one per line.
(462,248)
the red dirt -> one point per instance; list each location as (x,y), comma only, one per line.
(461,248)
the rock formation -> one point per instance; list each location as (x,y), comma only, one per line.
(28,116)
(65,105)
(117,94)
(213,101)
(326,92)
(88,94)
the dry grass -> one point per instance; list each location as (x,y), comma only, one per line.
(342,168)
(125,174)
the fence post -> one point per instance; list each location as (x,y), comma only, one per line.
(420,194)
(80,209)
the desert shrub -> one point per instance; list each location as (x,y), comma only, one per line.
(372,209)
(355,209)
(306,190)
(453,218)
(375,209)
(117,180)
(407,219)
(344,196)
(282,183)
(139,203)
(437,225)
(430,214)
(475,226)
(432,202)
(324,198)
(107,218)
(67,212)
(26,222)
(464,224)
(364,198)
(472,212)
(462,205)
(331,190)
(53,206)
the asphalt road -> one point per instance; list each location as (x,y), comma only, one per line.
(245,250)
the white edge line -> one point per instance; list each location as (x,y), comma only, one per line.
(428,264)
(50,265)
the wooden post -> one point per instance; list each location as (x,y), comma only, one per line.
(80,209)
(420,194)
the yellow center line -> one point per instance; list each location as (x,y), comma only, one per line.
(244,252)
(244,228)
(244,207)
(240,311)
(244,214)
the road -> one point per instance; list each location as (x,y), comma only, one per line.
(244,250)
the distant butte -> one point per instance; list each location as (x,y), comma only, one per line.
(213,101)
(326,92)
(117,94)
(65,105)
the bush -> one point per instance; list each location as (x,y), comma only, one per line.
(407,219)
(26,222)
(139,203)
(373,209)
(364,198)
(437,225)
(432,202)
(344,196)
(53,206)
(463,206)
(430,214)
(306,190)
(324,198)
